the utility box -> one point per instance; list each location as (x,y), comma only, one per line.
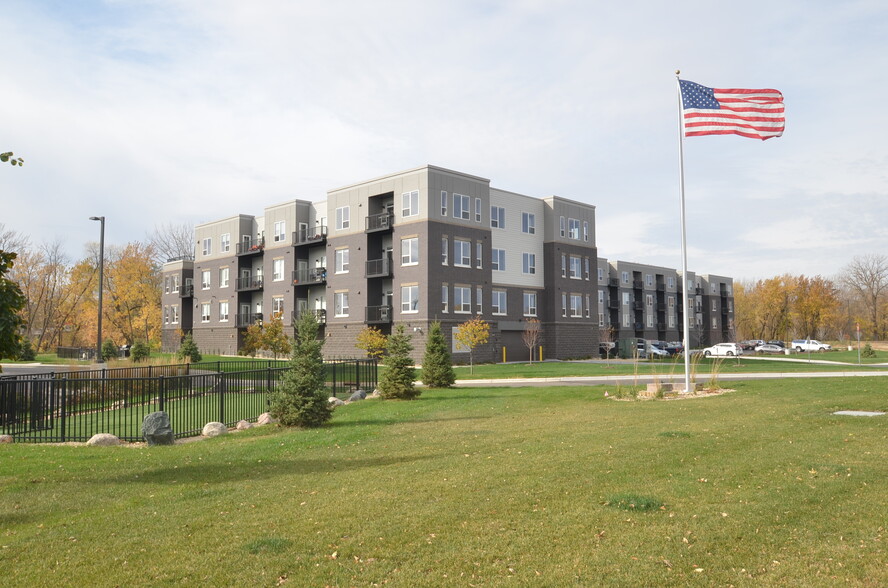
(632,348)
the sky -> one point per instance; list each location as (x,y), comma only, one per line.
(156,111)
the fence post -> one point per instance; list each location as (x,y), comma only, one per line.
(268,380)
(161,393)
(64,403)
(221,388)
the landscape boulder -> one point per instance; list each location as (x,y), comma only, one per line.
(103,440)
(357,395)
(157,430)
(6,439)
(265,419)
(244,425)
(335,401)
(214,429)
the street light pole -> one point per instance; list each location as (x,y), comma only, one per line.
(101,219)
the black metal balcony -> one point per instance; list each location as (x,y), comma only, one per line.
(661,287)
(613,304)
(379,268)
(639,326)
(379,222)
(638,305)
(613,282)
(248,283)
(638,284)
(250,247)
(310,236)
(320,315)
(378,315)
(186,291)
(245,320)
(306,277)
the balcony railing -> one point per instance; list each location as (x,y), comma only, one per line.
(304,277)
(320,315)
(638,305)
(245,320)
(639,326)
(379,268)
(186,291)
(310,235)
(251,246)
(378,314)
(613,304)
(249,283)
(379,222)
(638,284)
(614,282)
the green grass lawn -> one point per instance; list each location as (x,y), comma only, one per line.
(515,487)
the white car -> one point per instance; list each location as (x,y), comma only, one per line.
(809,345)
(723,350)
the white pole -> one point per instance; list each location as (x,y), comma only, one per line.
(684,242)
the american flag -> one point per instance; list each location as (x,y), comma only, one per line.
(757,114)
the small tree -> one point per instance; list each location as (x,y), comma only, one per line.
(301,398)
(140,351)
(11,302)
(188,350)
(606,337)
(470,334)
(252,340)
(109,350)
(397,379)
(531,335)
(437,365)
(26,351)
(273,337)
(372,341)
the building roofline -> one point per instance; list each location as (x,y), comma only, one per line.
(567,200)
(227,218)
(427,167)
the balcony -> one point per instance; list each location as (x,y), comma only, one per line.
(661,287)
(379,222)
(307,277)
(638,326)
(245,320)
(613,304)
(638,284)
(250,246)
(613,282)
(248,283)
(320,315)
(310,236)
(638,305)
(378,315)
(379,268)
(186,291)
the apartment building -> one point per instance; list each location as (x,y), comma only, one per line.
(423,245)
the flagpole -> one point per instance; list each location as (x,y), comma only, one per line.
(684,242)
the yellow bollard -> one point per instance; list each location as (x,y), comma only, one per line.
(504,354)
(541,353)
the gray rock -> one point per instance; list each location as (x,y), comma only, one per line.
(243,425)
(335,401)
(6,439)
(157,430)
(357,395)
(214,429)
(103,440)
(265,419)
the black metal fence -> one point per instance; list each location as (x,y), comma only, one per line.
(74,406)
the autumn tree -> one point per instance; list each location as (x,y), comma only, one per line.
(471,334)
(372,342)
(132,287)
(252,342)
(531,335)
(815,305)
(273,337)
(11,302)
(867,277)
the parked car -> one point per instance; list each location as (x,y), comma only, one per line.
(769,348)
(800,345)
(655,351)
(751,344)
(675,347)
(723,350)
(780,344)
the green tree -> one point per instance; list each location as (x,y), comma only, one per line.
(12,301)
(188,350)
(26,351)
(301,397)
(437,365)
(140,351)
(273,337)
(397,380)
(372,341)
(109,350)
(471,334)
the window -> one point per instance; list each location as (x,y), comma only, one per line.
(563,265)
(671,321)
(280,230)
(587,267)
(576,305)
(600,319)
(410,203)
(530,304)
(223,311)
(342,218)
(477,210)
(498,260)
(712,287)
(225,242)
(410,251)
(497,217)
(409,299)
(563,304)
(670,281)
(588,307)
(625,298)
(444,248)
(443,203)
(444,297)
(461,206)
(575,268)
(601,298)
(498,302)
(205,280)
(649,300)
(223,277)
(715,306)
(714,323)
(174,314)
(528,223)
(671,302)
(207,246)
(479,249)
(625,277)
(462,253)
(649,279)
(479,292)
(341,261)
(573,228)
(462,299)
(600,274)
(166,315)
(175,284)
(562,226)
(277,270)
(166,285)
(625,319)
(650,320)
(340,304)
(528,263)
(585,230)
(205,312)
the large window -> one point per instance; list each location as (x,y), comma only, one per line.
(207,246)
(528,223)
(561,225)
(498,302)
(444,250)
(585,230)
(563,265)
(225,242)
(479,252)
(497,217)
(461,206)
(280,231)
(575,268)
(462,253)
(340,303)
(205,280)
(462,299)
(410,203)
(576,305)
(277,306)
(479,292)
(223,277)
(341,261)
(409,299)
(445,298)
(573,228)
(443,203)
(530,304)
(586,260)
(498,259)
(477,210)
(205,312)
(410,251)
(277,270)
(528,263)
(174,314)
(342,218)
(223,311)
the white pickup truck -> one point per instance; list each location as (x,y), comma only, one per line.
(799,345)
